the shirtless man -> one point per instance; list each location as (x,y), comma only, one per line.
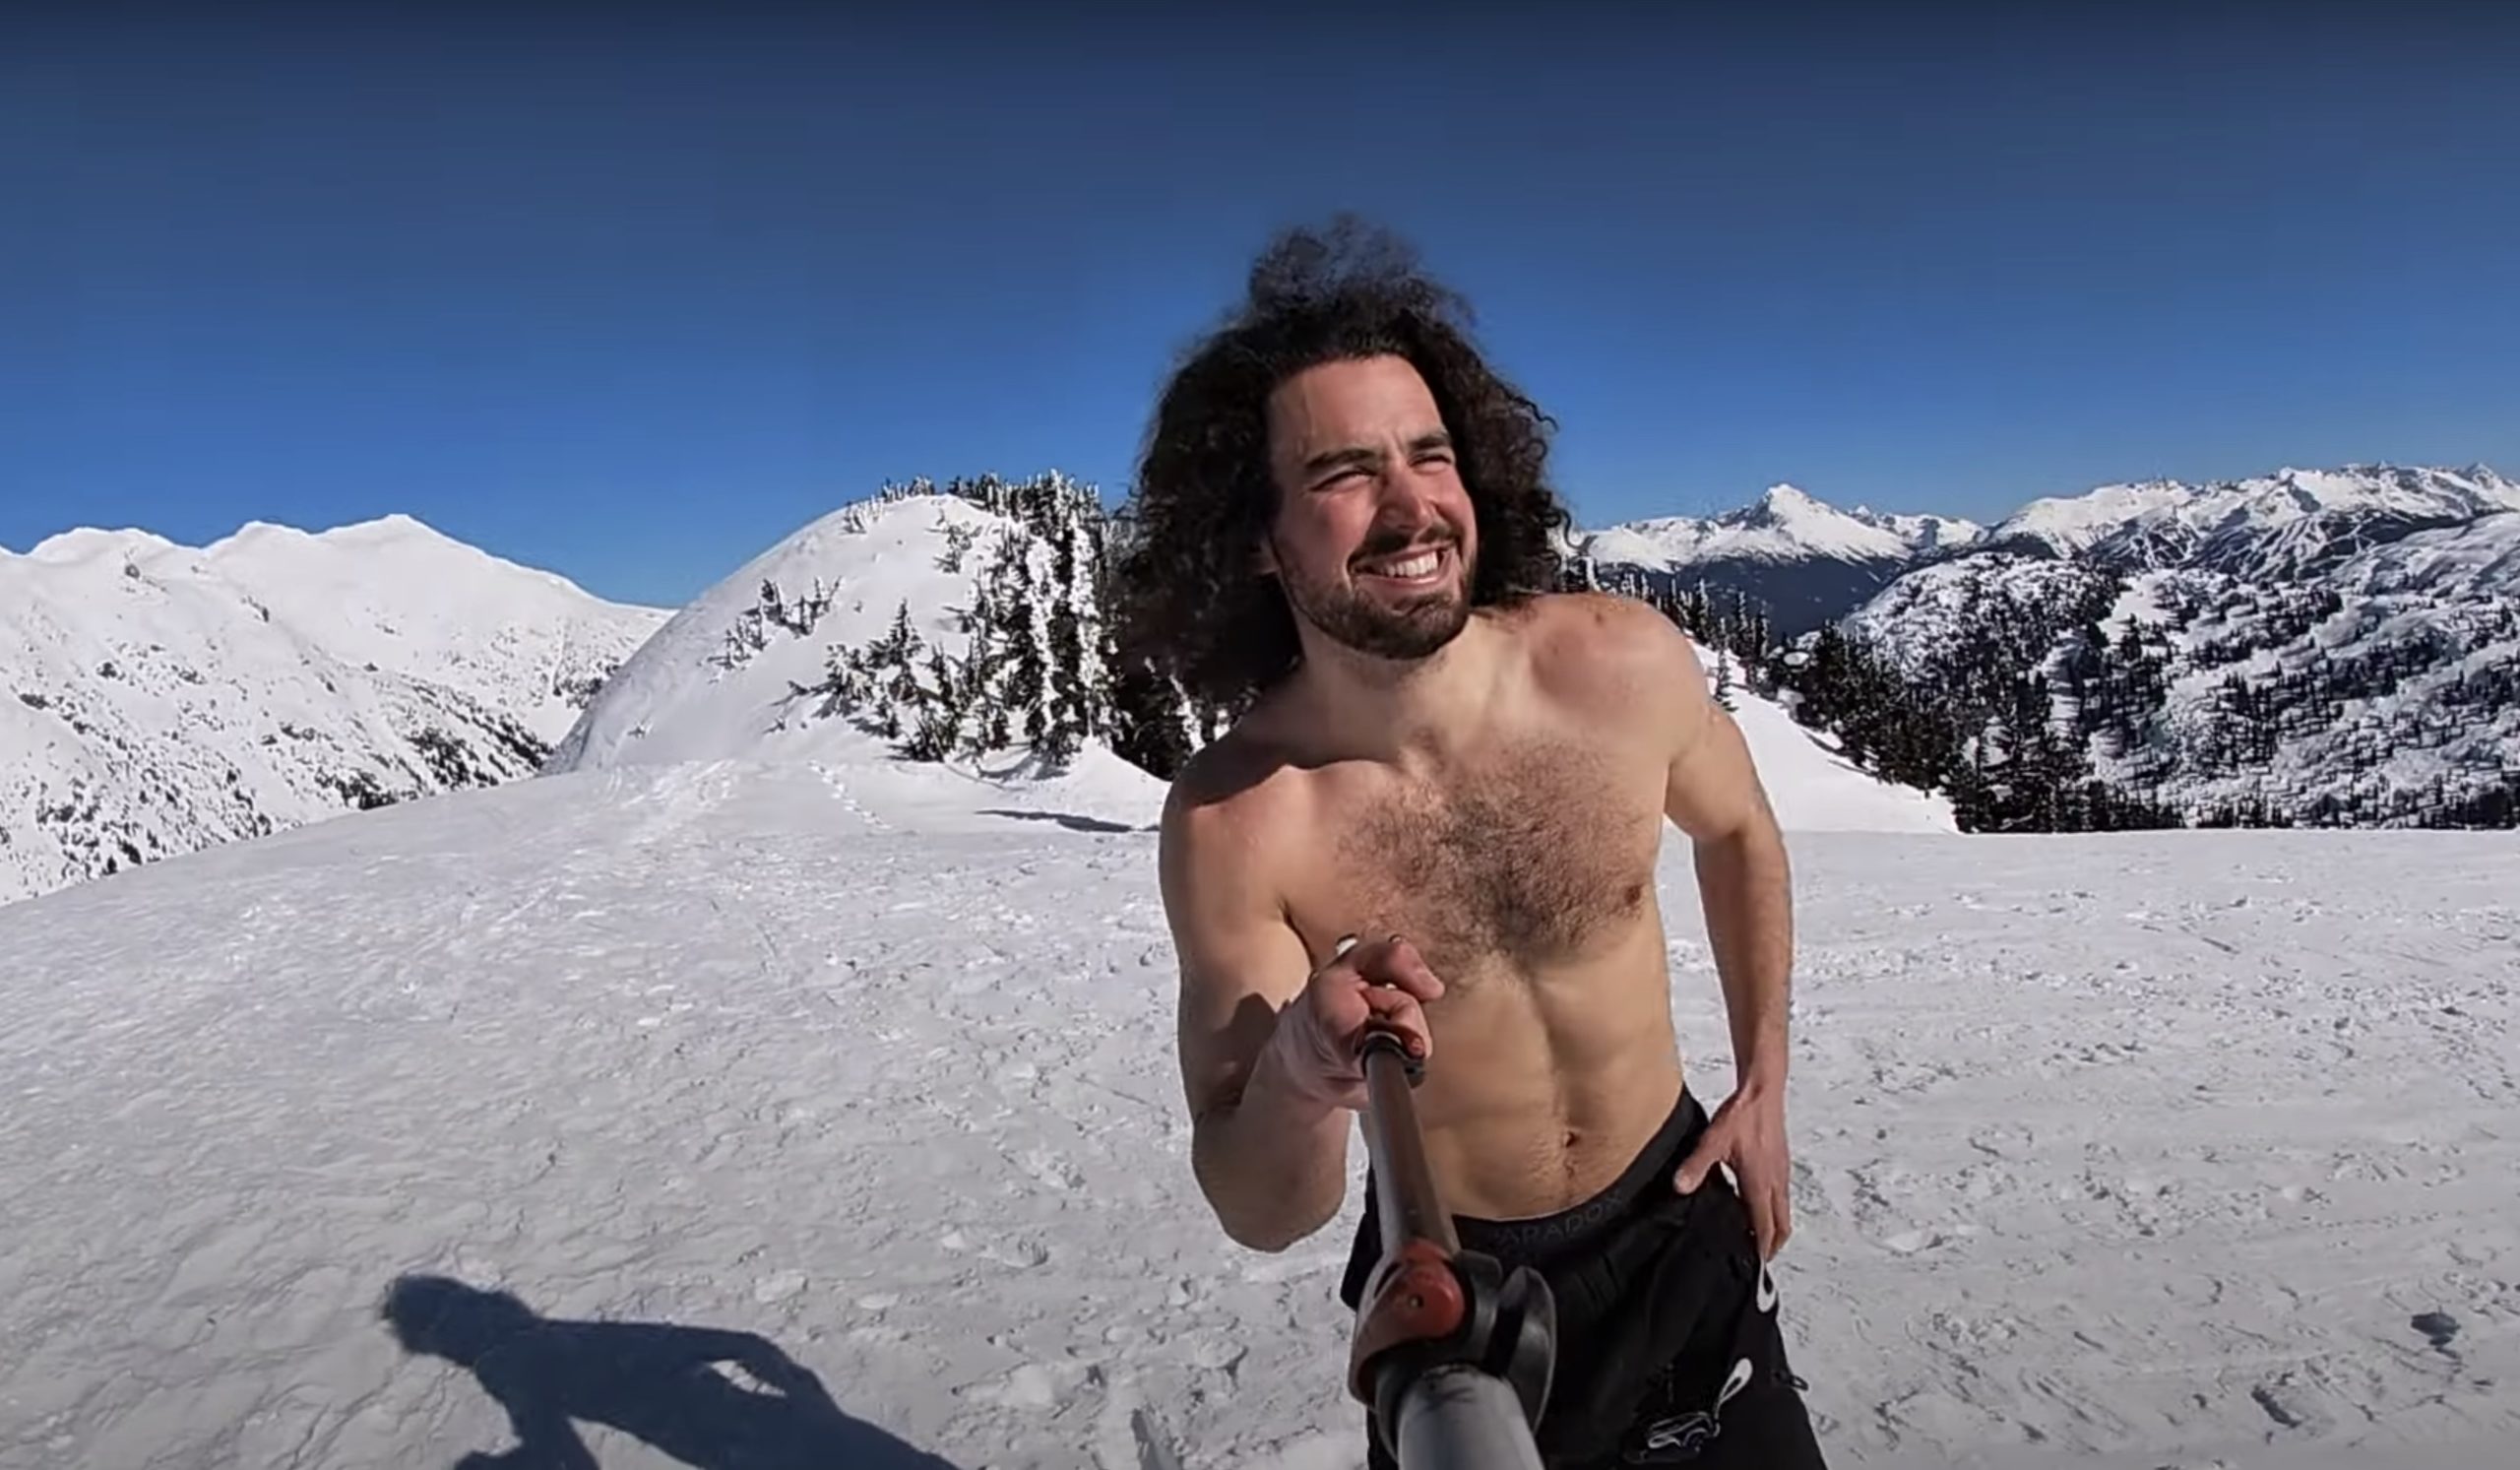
(1346,539)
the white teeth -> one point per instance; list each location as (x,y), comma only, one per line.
(1416,567)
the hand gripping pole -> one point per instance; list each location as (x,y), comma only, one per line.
(1452,1356)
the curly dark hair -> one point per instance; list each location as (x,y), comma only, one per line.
(1187,597)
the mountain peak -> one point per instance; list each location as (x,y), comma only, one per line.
(392,524)
(84,542)
(1783,504)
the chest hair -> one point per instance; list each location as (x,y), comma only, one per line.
(1511,868)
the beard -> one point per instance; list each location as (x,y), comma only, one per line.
(1413,628)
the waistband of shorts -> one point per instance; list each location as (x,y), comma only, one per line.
(1546,1234)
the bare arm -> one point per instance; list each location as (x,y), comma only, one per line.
(1715,796)
(1271,1160)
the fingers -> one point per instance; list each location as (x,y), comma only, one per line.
(1712,1146)
(1397,1010)
(1395,962)
(1762,1206)
(1380,984)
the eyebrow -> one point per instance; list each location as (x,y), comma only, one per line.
(1339,459)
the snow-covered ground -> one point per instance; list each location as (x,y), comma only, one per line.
(2129,1151)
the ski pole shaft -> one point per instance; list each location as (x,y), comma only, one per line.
(1404,1186)
(1462,1419)
(1450,1408)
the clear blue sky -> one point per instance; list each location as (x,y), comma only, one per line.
(632,298)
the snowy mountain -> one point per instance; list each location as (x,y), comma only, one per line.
(916,641)
(749,1130)
(2290,525)
(2333,647)
(1802,559)
(156,699)
(2385,691)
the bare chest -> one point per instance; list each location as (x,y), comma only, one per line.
(1505,871)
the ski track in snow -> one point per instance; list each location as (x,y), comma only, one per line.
(2173,1148)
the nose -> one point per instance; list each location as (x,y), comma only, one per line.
(1403,506)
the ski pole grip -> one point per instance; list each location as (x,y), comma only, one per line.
(1383,1041)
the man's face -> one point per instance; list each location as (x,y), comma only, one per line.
(1375,539)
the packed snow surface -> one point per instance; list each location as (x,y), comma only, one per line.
(763,1115)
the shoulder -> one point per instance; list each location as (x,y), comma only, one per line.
(1225,808)
(1604,650)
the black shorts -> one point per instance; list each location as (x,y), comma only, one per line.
(1660,1298)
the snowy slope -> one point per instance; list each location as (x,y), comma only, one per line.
(156,698)
(2386,688)
(1941,613)
(2290,523)
(719,680)
(723,679)
(2153,1149)
(723,682)
(2481,557)
(1811,786)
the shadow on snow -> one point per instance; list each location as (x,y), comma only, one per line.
(655,1380)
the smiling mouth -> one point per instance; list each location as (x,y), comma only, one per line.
(1415,568)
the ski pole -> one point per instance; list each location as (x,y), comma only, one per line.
(1453,1357)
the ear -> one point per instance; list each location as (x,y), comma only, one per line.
(1264,558)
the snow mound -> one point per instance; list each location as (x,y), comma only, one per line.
(746,671)
(719,679)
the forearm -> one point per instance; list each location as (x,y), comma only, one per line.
(1745,883)
(1273,1164)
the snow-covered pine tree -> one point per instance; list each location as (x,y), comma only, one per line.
(1071,704)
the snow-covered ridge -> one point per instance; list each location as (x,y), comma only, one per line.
(1804,561)
(1785,524)
(753,669)
(156,698)
(2294,522)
